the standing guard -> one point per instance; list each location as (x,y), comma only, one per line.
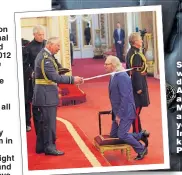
(135,59)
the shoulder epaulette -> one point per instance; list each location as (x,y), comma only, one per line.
(45,55)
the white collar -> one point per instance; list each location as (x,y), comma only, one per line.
(47,51)
(113,73)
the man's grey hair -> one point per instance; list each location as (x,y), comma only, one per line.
(38,28)
(115,62)
(53,40)
(133,37)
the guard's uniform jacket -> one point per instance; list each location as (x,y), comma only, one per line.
(27,71)
(30,52)
(136,59)
(46,79)
(33,48)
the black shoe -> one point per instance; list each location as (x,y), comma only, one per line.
(141,155)
(60,152)
(144,137)
(146,133)
(54,152)
(39,151)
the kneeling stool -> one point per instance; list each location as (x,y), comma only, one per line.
(105,142)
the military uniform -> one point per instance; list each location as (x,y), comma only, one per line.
(46,98)
(27,82)
(57,62)
(136,59)
(31,50)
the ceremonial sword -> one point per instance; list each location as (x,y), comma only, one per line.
(103,75)
(170,90)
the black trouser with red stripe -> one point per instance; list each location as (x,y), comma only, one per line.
(137,123)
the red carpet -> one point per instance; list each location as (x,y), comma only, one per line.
(89,67)
(85,116)
(73,158)
(98,100)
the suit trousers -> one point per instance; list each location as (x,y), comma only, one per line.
(119,51)
(46,133)
(36,117)
(28,114)
(121,132)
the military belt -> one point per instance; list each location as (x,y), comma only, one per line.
(44,82)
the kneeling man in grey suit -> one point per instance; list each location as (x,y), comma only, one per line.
(123,107)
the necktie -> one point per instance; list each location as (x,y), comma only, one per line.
(119,34)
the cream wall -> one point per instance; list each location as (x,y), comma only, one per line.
(54,26)
(27,25)
(27,33)
(129,22)
(59,26)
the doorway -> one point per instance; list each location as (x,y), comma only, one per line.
(82,35)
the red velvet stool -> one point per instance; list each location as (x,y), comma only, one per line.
(105,142)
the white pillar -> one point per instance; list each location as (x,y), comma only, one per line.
(129,18)
(95,25)
(106,29)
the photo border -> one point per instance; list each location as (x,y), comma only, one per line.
(158,10)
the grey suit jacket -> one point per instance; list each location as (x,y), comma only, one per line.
(47,95)
(121,96)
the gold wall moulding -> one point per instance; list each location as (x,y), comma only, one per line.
(29,22)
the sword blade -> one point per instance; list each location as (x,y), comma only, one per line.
(103,75)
